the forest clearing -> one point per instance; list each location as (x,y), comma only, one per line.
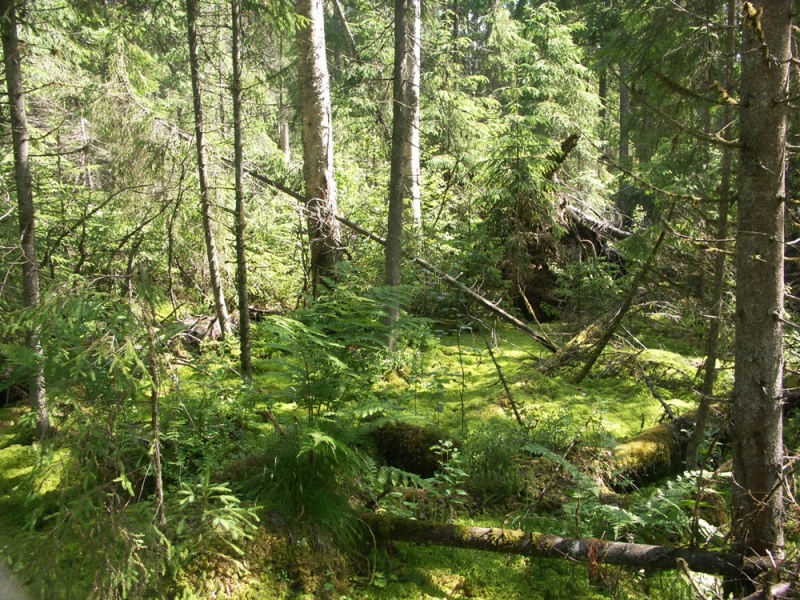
(352,299)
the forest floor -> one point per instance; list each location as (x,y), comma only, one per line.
(456,387)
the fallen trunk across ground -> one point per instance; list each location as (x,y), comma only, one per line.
(511,541)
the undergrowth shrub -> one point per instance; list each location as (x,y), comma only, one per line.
(440,497)
(564,430)
(589,287)
(204,423)
(491,461)
(674,512)
(336,349)
(304,481)
(98,373)
(209,527)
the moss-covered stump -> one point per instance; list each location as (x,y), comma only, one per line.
(408,447)
(653,454)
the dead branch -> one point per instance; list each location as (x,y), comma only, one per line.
(511,541)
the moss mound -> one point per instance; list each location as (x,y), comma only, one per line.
(654,453)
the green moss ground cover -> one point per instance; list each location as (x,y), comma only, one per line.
(453,384)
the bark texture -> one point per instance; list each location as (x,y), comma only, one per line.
(212,253)
(25,206)
(315,103)
(240,212)
(756,424)
(413,59)
(511,541)
(402,125)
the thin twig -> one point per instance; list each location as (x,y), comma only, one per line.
(655,393)
(500,374)
(270,416)
(688,572)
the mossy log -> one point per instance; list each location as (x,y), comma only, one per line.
(576,349)
(654,453)
(593,551)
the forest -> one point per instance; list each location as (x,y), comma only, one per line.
(354,299)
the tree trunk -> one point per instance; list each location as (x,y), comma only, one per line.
(593,551)
(715,312)
(283,121)
(241,220)
(220,307)
(155,394)
(320,185)
(283,137)
(402,125)
(624,116)
(413,57)
(25,206)
(756,423)
(602,94)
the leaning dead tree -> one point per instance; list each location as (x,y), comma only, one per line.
(589,343)
(511,541)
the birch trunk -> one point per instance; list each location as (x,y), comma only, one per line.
(413,58)
(320,185)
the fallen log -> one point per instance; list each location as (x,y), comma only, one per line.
(779,590)
(652,454)
(576,347)
(511,541)
(602,229)
(509,318)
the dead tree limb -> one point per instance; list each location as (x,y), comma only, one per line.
(270,416)
(654,391)
(502,377)
(778,590)
(577,346)
(600,228)
(509,318)
(348,33)
(598,348)
(559,156)
(511,541)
